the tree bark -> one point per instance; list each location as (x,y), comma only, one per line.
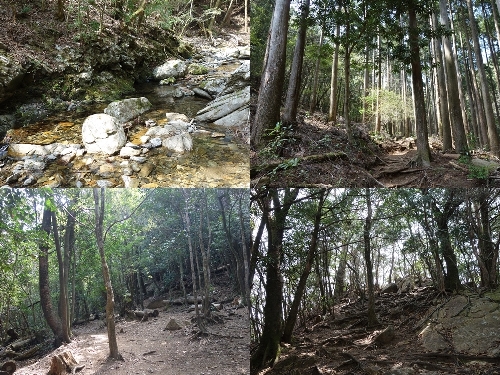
(372,317)
(299,292)
(293,93)
(314,95)
(99,204)
(423,150)
(269,100)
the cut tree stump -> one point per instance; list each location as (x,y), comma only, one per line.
(8,367)
(64,363)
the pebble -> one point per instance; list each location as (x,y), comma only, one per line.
(130,182)
(139,159)
(104,183)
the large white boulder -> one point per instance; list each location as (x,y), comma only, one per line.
(172,68)
(127,109)
(102,133)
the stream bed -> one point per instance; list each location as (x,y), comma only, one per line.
(218,158)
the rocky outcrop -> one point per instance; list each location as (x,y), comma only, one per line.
(11,76)
(127,109)
(464,324)
(173,136)
(102,133)
(172,68)
(231,106)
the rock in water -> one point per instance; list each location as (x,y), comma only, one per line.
(102,133)
(127,109)
(172,68)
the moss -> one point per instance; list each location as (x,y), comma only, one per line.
(185,50)
(167,81)
(197,69)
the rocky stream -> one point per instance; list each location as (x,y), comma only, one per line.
(185,125)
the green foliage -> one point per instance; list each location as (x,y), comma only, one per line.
(392,107)
(279,137)
(290,163)
(478,172)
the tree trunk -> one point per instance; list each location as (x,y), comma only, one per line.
(314,95)
(423,150)
(99,205)
(332,115)
(43,270)
(372,317)
(293,93)
(299,292)
(269,346)
(269,100)
(245,252)
(454,103)
(490,120)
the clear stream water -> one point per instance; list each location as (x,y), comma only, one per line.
(218,159)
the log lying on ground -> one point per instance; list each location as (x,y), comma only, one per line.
(143,315)
(63,363)
(28,353)
(21,343)
(157,304)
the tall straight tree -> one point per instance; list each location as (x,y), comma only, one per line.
(490,120)
(99,204)
(271,85)
(293,93)
(454,104)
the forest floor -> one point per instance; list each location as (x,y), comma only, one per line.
(314,153)
(345,345)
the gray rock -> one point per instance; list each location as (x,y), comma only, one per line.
(172,68)
(130,182)
(237,118)
(179,143)
(34,164)
(127,109)
(155,142)
(244,52)
(214,86)
(224,105)
(138,159)
(176,116)
(104,183)
(102,133)
(202,93)
(129,151)
(11,76)
(172,325)
(7,122)
(239,79)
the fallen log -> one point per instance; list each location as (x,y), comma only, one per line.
(28,353)
(16,345)
(317,158)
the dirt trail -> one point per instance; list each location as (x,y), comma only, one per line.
(149,349)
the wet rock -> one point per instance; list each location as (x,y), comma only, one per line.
(103,133)
(237,118)
(176,116)
(106,170)
(29,181)
(172,68)
(213,86)
(105,183)
(179,143)
(202,93)
(197,69)
(138,159)
(155,142)
(31,112)
(240,78)
(225,105)
(11,76)
(127,152)
(127,109)
(146,170)
(130,182)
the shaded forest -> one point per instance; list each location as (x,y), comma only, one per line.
(387,89)
(73,258)
(375,281)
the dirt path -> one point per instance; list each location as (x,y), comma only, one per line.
(149,349)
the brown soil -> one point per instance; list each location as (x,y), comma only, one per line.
(344,345)
(382,162)
(149,349)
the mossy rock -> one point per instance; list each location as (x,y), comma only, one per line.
(197,69)
(185,50)
(167,81)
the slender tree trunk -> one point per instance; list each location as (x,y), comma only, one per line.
(424,153)
(332,115)
(99,204)
(378,117)
(244,251)
(490,120)
(313,245)
(372,317)
(293,93)
(314,95)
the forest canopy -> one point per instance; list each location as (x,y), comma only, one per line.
(149,240)
(316,247)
